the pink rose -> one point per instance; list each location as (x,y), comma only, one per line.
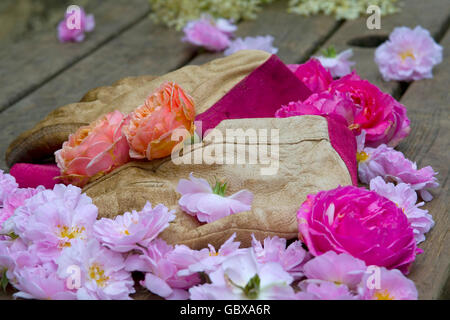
(152,126)
(379,114)
(360,223)
(338,106)
(313,75)
(93,150)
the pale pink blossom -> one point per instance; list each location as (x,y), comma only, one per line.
(291,258)
(409,54)
(264,43)
(336,105)
(15,254)
(210,34)
(41,282)
(200,200)
(390,285)
(405,197)
(325,290)
(102,271)
(53,219)
(125,232)
(208,259)
(13,201)
(392,165)
(161,267)
(339,65)
(74,26)
(242,277)
(338,268)
(31,274)
(7,186)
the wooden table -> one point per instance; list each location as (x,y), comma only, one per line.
(38,74)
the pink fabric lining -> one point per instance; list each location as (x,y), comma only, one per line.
(258,95)
(344,142)
(30,175)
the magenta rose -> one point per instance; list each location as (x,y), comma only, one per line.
(379,114)
(313,75)
(358,222)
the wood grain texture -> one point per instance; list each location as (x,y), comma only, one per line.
(143,49)
(25,65)
(429,144)
(296,36)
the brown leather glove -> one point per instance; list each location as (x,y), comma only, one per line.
(310,155)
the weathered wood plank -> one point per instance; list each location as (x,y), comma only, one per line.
(296,36)
(27,64)
(429,144)
(432,15)
(143,49)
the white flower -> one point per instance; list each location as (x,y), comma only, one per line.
(252,43)
(242,277)
(339,65)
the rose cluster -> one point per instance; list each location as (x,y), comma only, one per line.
(57,249)
(110,142)
(354,242)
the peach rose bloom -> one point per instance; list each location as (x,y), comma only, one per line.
(151,125)
(94,150)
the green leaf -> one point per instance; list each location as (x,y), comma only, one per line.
(4,281)
(252,288)
(220,188)
(330,52)
(13,236)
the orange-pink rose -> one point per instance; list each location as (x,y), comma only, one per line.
(151,125)
(94,150)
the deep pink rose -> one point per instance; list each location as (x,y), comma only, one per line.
(379,114)
(313,75)
(358,222)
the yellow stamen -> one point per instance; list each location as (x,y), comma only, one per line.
(362,156)
(69,233)
(213,254)
(407,54)
(383,295)
(98,274)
